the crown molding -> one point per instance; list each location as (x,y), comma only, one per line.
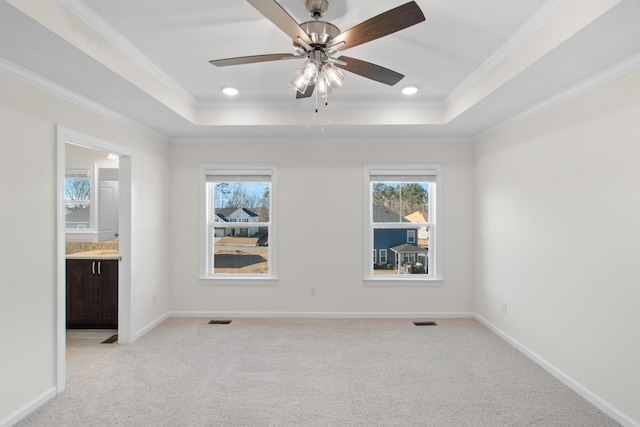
(549,11)
(100,26)
(610,74)
(283,105)
(19,73)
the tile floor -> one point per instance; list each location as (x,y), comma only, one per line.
(84,346)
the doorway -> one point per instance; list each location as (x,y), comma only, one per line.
(117,228)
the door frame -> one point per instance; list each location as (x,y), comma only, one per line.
(125,327)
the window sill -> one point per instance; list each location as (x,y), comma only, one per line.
(235,280)
(405,280)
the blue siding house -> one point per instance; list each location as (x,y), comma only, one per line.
(393,246)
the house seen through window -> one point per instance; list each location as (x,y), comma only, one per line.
(238,222)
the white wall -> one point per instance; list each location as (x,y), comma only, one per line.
(321,239)
(557,238)
(28,119)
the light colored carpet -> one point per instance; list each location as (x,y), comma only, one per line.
(317,372)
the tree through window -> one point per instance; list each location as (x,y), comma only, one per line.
(77,199)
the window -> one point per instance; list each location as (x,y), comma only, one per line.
(238,221)
(403,220)
(77,199)
(383,256)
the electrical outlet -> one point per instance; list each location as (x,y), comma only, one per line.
(312,292)
(503,308)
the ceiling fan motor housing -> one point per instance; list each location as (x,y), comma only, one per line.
(320,32)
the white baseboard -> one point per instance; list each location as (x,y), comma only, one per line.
(321,315)
(569,382)
(27,409)
(150,326)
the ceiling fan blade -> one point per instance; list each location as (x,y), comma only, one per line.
(307,93)
(381,25)
(251,59)
(370,71)
(276,14)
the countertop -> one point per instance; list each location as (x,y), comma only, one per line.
(95,254)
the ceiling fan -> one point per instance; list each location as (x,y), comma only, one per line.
(318,41)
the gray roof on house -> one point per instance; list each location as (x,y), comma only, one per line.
(384,214)
(225,212)
(406,248)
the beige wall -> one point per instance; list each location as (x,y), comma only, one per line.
(321,236)
(557,226)
(28,119)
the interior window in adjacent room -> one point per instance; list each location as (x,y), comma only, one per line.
(238,221)
(78,198)
(403,221)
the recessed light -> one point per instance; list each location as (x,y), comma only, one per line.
(409,90)
(112,156)
(230,91)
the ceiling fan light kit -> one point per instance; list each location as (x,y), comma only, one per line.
(318,41)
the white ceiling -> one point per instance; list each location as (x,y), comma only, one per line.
(478,63)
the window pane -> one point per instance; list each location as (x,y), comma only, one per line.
(78,216)
(403,256)
(240,254)
(250,195)
(400,201)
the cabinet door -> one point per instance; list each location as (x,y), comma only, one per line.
(107,298)
(81,293)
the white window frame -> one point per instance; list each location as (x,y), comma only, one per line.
(403,170)
(413,234)
(240,169)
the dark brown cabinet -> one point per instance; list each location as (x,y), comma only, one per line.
(92,293)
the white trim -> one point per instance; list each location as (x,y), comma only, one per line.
(209,169)
(142,332)
(610,74)
(27,409)
(61,291)
(587,394)
(403,280)
(125,318)
(239,280)
(19,73)
(100,26)
(550,10)
(436,198)
(423,140)
(325,314)
(126,246)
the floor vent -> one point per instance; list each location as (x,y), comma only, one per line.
(219,322)
(111,339)
(425,323)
